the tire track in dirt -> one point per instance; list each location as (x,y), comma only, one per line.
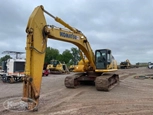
(122,77)
(138,108)
(72,111)
(51,92)
(125,75)
(111,107)
(61,98)
(136,87)
(129,101)
(134,112)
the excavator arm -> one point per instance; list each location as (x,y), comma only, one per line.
(37,34)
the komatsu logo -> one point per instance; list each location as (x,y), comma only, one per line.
(66,35)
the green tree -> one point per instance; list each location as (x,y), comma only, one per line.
(66,56)
(4,58)
(60,57)
(51,53)
(75,55)
(47,55)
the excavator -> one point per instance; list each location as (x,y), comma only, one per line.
(100,67)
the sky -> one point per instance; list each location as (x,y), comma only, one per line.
(123,26)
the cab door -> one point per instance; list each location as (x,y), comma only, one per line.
(102,58)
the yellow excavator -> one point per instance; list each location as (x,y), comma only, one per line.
(56,67)
(99,67)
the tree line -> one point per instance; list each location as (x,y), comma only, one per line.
(70,57)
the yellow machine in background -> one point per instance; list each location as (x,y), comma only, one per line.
(56,66)
(80,66)
(99,68)
(72,67)
(125,65)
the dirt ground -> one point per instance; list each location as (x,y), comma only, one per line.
(131,97)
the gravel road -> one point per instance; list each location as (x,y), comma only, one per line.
(131,97)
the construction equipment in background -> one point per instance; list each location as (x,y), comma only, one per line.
(99,69)
(125,65)
(137,65)
(79,67)
(13,68)
(56,67)
(72,67)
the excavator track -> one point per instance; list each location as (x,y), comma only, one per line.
(71,82)
(106,82)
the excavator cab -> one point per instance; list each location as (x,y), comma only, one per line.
(102,58)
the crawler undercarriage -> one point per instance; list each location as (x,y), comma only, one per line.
(103,82)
